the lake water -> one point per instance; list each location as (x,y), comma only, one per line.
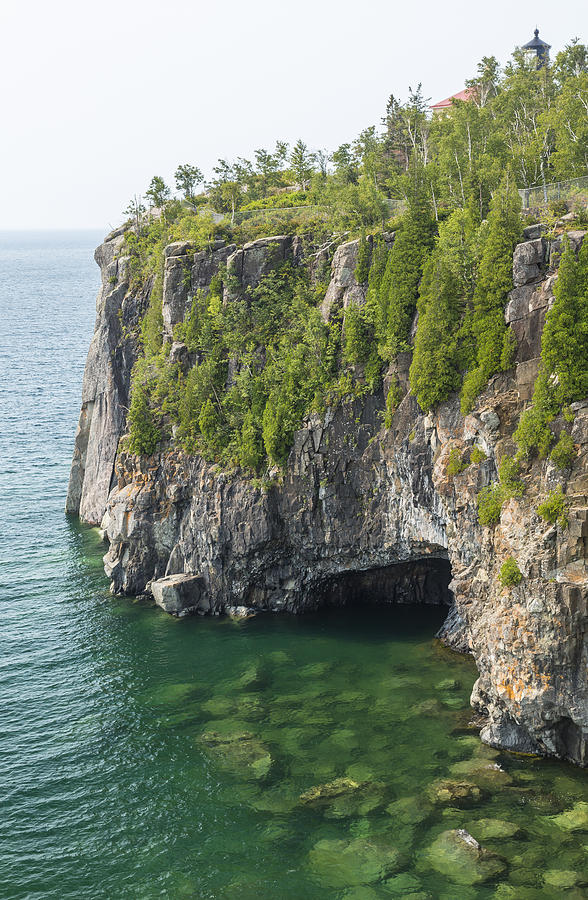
(144,757)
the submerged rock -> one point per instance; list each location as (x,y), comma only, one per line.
(485,772)
(563,878)
(345,797)
(459,856)
(410,810)
(239,752)
(494,829)
(574,819)
(455,793)
(343,864)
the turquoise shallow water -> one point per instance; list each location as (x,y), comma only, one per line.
(146,757)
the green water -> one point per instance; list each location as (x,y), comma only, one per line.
(145,757)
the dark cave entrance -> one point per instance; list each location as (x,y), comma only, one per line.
(406,596)
(420,581)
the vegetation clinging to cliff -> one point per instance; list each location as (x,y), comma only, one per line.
(252,380)
(563,377)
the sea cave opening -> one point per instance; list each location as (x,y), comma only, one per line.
(413,582)
(401,592)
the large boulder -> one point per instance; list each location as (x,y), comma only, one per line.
(181,595)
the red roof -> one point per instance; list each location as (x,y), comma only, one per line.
(466,94)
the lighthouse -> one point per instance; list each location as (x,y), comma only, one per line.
(537,50)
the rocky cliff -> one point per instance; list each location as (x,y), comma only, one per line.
(358,507)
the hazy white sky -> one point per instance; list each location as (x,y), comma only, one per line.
(98,97)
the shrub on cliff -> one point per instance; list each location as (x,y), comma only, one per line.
(510,574)
(563,452)
(490,500)
(554,508)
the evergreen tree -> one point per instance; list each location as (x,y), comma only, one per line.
(564,344)
(144,434)
(404,269)
(445,292)
(208,422)
(493,340)
(362,268)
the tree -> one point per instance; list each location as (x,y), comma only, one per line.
(404,268)
(208,422)
(564,343)
(493,340)
(227,188)
(144,434)
(571,62)
(302,162)
(135,210)
(187,177)
(345,164)
(485,85)
(568,117)
(158,192)
(445,293)
(267,166)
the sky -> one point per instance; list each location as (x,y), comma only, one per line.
(99,97)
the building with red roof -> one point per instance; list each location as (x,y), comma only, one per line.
(466,94)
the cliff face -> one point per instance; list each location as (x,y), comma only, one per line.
(358,505)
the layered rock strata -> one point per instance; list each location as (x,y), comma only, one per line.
(357,498)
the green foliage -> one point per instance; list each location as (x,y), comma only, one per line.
(144,434)
(510,574)
(493,344)
(445,293)
(508,473)
(564,344)
(404,269)
(564,451)
(362,268)
(563,377)
(490,500)
(554,508)
(393,398)
(455,463)
(477,455)
(283,200)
